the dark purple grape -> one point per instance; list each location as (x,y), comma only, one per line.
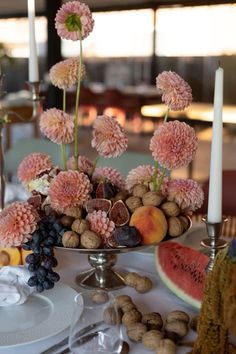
(33,281)
(62,231)
(33,267)
(32,258)
(26,246)
(49,241)
(40,288)
(36,238)
(48,251)
(47,284)
(53,276)
(41,278)
(42,271)
(57,227)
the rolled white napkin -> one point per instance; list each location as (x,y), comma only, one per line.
(14,289)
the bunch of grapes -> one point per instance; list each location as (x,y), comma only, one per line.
(42,261)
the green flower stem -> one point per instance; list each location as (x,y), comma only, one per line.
(63,146)
(154,177)
(95,164)
(160,181)
(166,115)
(76,150)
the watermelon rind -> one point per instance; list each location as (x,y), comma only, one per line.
(173,287)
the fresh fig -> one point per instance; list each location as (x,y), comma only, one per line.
(119,214)
(98,204)
(127,236)
(106,190)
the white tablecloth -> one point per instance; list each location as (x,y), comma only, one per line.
(160,299)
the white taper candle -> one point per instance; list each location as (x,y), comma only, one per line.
(33,59)
(214,213)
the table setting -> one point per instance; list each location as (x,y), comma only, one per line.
(148,277)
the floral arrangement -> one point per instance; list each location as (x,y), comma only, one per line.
(85,206)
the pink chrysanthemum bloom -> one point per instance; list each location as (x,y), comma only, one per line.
(187,193)
(69,189)
(57,126)
(174,144)
(109,138)
(176,92)
(84,163)
(17,222)
(65,73)
(100,223)
(143,175)
(74,19)
(109,174)
(32,166)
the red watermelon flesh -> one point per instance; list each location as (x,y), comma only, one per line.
(182,269)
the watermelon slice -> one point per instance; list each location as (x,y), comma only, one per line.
(182,270)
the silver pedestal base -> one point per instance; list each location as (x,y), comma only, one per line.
(101,276)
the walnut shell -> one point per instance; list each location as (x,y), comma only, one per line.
(143,285)
(135,331)
(131,279)
(100,297)
(151,339)
(67,221)
(131,316)
(128,306)
(176,330)
(185,221)
(177,316)
(90,239)
(80,226)
(152,198)
(122,195)
(193,323)
(111,316)
(133,203)
(70,239)
(175,226)
(121,299)
(125,348)
(4,259)
(139,190)
(170,209)
(75,212)
(153,320)
(166,346)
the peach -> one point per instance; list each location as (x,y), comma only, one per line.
(151,223)
(9,256)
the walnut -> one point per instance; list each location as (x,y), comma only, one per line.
(131,316)
(153,320)
(193,323)
(125,348)
(177,316)
(143,285)
(67,221)
(80,226)
(131,279)
(135,331)
(70,239)
(152,198)
(133,203)
(111,316)
(128,306)
(166,346)
(151,339)
(175,227)
(100,297)
(90,239)
(75,212)
(122,195)
(170,209)
(176,330)
(121,299)
(185,221)
(4,259)
(139,190)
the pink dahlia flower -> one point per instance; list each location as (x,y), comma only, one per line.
(74,20)
(84,163)
(110,174)
(65,73)
(174,144)
(57,126)
(100,223)
(109,138)
(69,189)
(187,193)
(32,166)
(143,175)
(17,222)
(176,93)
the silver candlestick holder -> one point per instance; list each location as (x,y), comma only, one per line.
(37,106)
(213,243)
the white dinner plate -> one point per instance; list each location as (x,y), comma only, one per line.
(40,317)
